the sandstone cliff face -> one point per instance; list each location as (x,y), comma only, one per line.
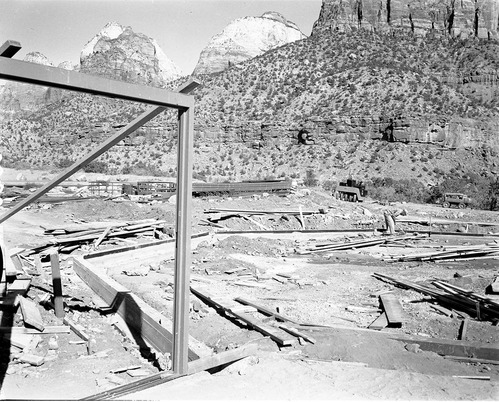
(244,39)
(119,53)
(464,18)
(15,97)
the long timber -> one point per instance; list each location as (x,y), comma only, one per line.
(149,323)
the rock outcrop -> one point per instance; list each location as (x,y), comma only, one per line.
(15,97)
(119,53)
(244,39)
(465,18)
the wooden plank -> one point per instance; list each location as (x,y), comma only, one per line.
(260,212)
(147,322)
(443,310)
(379,323)
(102,236)
(136,247)
(32,359)
(57,285)
(51,329)
(76,328)
(252,285)
(276,335)
(295,332)
(395,314)
(451,347)
(19,287)
(255,222)
(264,310)
(219,359)
(473,377)
(472,360)
(31,314)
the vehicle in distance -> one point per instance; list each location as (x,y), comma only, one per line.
(351,190)
(459,200)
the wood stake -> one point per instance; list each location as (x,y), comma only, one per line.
(463,329)
(57,285)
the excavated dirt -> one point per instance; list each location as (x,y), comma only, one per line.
(335,289)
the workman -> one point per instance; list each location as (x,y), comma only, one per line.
(390,219)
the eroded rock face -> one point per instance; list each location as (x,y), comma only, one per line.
(244,39)
(463,18)
(15,96)
(119,53)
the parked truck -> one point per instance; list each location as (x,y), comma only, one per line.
(351,190)
(459,200)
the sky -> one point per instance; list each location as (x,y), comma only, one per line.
(60,28)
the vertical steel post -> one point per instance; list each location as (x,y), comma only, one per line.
(183,241)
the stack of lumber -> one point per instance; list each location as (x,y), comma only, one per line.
(220,214)
(453,297)
(479,251)
(277,187)
(70,237)
(349,245)
(438,221)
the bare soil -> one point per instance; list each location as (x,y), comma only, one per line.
(333,289)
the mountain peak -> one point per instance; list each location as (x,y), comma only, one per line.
(119,53)
(274,15)
(38,58)
(244,39)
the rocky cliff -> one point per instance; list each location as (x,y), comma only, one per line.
(119,53)
(244,39)
(464,18)
(15,97)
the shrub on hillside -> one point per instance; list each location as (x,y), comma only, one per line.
(96,167)
(311,179)
(388,189)
(64,163)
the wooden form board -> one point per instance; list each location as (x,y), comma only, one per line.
(451,347)
(379,323)
(31,314)
(393,309)
(264,310)
(149,323)
(118,250)
(276,334)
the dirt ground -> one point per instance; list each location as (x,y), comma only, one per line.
(335,292)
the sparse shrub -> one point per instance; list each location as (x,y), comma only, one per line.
(329,185)
(96,167)
(310,178)
(64,163)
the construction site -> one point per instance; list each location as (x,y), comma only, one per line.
(238,291)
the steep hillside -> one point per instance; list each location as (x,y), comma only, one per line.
(359,85)
(374,105)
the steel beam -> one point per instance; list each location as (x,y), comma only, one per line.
(183,241)
(9,48)
(37,74)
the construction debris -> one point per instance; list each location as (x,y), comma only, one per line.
(490,250)
(453,297)
(349,245)
(71,237)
